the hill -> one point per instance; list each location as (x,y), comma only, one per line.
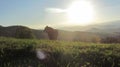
(13,31)
(10,31)
(83,36)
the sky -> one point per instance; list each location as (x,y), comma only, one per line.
(39,13)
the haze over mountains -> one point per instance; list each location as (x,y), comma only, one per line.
(107,27)
(75,33)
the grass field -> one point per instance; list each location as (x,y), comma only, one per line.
(46,53)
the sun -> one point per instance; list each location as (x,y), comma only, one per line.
(80,13)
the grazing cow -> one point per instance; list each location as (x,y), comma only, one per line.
(52,33)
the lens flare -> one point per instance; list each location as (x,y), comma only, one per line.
(40,54)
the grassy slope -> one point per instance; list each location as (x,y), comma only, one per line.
(18,52)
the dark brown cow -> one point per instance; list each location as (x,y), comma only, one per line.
(52,33)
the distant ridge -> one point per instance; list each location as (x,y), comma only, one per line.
(10,31)
(106,27)
(26,32)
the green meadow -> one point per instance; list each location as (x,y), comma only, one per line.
(26,52)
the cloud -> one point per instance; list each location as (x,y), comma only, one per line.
(55,10)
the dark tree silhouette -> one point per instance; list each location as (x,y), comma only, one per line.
(52,33)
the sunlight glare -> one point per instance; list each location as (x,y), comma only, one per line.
(81,13)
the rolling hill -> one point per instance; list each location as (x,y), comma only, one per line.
(10,31)
(92,33)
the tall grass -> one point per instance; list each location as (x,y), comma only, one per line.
(23,53)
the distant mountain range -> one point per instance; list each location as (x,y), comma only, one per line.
(107,27)
(74,33)
(10,31)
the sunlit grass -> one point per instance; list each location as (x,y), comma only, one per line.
(58,53)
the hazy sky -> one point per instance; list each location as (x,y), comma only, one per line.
(36,13)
